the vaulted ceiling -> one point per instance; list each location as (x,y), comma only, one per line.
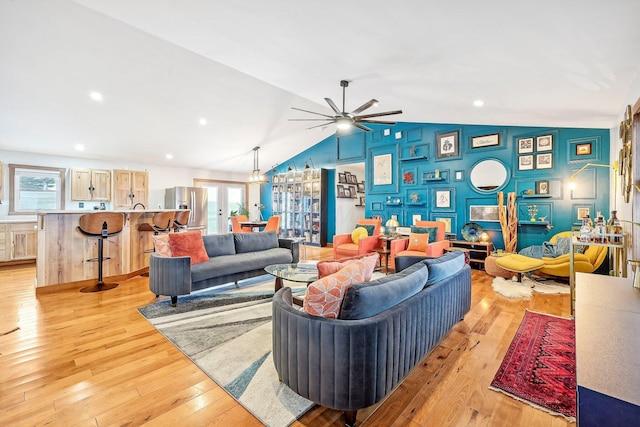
(161,66)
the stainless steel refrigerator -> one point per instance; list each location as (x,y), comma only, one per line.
(192,198)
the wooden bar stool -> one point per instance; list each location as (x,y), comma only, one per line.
(181,220)
(100,226)
(162,222)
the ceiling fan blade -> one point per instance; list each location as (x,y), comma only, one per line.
(312,112)
(319,126)
(333,106)
(386,113)
(382,122)
(359,126)
(311,120)
(364,106)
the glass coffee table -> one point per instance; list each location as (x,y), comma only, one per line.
(300,273)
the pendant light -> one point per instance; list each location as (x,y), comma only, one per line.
(256,177)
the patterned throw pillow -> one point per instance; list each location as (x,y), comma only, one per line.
(358,233)
(431,231)
(418,242)
(324,296)
(326,268)
(370,228)
(161,245)
(188,243)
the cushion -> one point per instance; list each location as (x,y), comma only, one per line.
(370,228)
(418,242)
(189,243)
(431,231)
(364,300)
(219,244)
(253,242)
(161,245)
(324,296)
(326,268)
(358,233)
(444,266)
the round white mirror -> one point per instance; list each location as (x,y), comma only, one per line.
(489,176)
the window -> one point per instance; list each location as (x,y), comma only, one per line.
(34,188)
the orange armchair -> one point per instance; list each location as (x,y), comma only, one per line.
(343,246)
(434,249)
(235,225)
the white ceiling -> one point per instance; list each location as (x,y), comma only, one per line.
(162,65)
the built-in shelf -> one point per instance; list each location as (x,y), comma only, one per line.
(535,223)
(393,203)
(408,159)
(434,179)
(536,196)
(416,204)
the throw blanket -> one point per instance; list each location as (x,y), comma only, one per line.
(551,250)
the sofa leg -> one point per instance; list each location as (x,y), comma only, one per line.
(236,283)
(174,301)
(350,418)
(157,295)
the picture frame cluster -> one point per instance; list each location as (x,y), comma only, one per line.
(535,153)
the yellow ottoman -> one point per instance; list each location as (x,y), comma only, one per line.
(519,264)
(494,270)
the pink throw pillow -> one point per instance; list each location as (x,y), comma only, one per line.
(188,243)
(324,296)
(326,268)
(161,245)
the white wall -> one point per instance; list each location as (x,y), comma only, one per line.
(347,213)
(160,176)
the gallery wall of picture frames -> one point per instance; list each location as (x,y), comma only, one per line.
(349,187)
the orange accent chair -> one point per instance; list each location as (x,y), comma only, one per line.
(434,249)
(244,218)
(273,224)
(343,246)
(235,224)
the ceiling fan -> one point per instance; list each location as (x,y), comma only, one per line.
(345,120)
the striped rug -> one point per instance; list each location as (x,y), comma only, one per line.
(227,333)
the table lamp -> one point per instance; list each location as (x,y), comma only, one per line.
(391,225)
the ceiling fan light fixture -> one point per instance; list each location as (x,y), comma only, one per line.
(344,123)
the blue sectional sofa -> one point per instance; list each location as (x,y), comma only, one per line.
(385,328)
(232,257)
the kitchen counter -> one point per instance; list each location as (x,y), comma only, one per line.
(63,252)
(17,218)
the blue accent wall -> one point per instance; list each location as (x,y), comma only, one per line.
(413,149)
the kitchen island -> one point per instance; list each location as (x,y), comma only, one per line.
(63,252)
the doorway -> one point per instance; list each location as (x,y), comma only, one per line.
(223,197)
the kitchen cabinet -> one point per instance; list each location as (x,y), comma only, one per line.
(129,188)
(18,241)
(90,184)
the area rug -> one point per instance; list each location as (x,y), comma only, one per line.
(540,365)
(512,289)
(227,333)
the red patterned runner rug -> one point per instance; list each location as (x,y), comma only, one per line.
(540,365)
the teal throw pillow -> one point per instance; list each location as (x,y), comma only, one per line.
(431,231)
(370,228)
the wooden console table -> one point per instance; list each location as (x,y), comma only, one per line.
(607,342)
(478,251)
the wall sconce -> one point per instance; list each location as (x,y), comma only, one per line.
(306,164)
(572,183)
(289,168)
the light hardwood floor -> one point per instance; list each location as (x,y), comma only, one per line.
(93,360)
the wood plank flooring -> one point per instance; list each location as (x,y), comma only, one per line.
(93,360)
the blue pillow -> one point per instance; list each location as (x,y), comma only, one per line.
(364,300)
(431,231)
(444,266)
(370,228)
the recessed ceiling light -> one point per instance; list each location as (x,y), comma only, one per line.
(96,96)
(203,121)
(169,156)
(79,147)
(478,103)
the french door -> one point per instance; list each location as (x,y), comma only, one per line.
(223,197)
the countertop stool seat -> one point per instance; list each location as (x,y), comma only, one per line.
(162,222)
(181,220)
(100,226)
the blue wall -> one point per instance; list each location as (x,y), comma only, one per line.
(413,151)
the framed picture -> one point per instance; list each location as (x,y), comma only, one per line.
(340,190)
(583,149)
(542,187)
(352,179)
(342,179)
(409,176)
(377,206)
(382,170)
(415,218)
(525,145)
(582,212)
(544,161)
(484,213)
(447,223)
(525,163)
(361,201)
(544,143)
(485,140)
(347,192)
(447,145)
(352,191)
(458,176)
(443,199)
(361,187)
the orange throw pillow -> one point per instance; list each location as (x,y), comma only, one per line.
(161,245)
(188,243)
(326,268)
(418,242)
(324,296)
